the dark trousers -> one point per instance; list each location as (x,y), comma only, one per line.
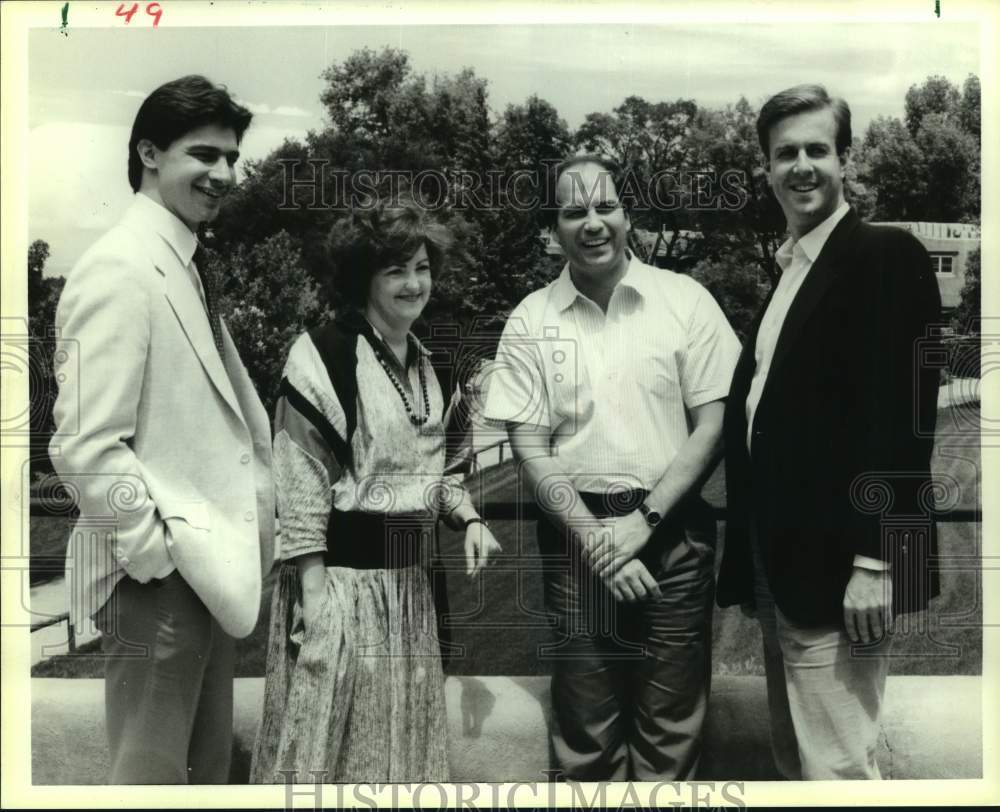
(630,681)
(168,685)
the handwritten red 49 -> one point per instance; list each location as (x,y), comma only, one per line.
(152,9)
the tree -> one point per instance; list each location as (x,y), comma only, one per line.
(360,94)
(951,170)
(893,166)
(935,95)
(738,293)
(969,310)
(969,108)
(929,168)
(267,299)
(43,298)
(531,133)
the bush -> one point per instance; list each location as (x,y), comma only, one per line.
(267,299)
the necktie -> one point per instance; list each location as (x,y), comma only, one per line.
(199,260)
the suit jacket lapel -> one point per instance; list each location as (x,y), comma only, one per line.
(821,275)
(742,375)
(190,312)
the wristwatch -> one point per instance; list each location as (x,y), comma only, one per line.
(651,516)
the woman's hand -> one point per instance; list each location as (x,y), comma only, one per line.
(479,546)
(312,604)
(312,576)
(456,399)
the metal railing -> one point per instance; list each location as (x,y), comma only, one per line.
(498,510)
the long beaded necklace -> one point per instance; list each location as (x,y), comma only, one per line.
(401,390)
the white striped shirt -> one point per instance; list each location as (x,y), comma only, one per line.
(614,388)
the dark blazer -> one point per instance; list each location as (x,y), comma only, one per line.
(843,433)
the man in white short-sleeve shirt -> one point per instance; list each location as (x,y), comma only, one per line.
(611,382)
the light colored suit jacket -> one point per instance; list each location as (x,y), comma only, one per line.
(165,445)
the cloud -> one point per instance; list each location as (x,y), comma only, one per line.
(257,108)
(71,201)
(261,109)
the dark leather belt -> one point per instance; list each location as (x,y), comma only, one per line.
(616,503)
(367,541)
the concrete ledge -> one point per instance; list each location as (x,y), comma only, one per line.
(932,728)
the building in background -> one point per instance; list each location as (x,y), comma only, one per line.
(949,245)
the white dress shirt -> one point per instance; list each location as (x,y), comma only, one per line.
(613,388)
(178,236)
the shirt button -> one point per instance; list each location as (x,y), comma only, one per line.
(248,515)
(245,459)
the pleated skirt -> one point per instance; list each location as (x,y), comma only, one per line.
(359,696)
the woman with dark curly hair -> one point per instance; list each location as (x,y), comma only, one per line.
(355,686)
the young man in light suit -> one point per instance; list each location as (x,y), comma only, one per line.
(830,411)
(166,446)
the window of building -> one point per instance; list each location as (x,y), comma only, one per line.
(943,264)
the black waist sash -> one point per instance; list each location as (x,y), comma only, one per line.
(367,541)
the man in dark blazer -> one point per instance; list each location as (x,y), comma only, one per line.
(829,430)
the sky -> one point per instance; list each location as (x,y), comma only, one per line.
(84,88)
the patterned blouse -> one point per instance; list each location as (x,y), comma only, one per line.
(397,467)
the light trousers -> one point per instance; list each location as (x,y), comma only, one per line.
(824,694)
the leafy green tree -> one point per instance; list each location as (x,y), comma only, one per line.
(43,298)
(966,316)
(952,170)
(969,108)
(529,134)
(935,95)
(929,167)
(893,165)
(267,298)
(362,94)
(739,293)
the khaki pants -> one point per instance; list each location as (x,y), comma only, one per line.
(824,694)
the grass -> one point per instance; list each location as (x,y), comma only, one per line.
(48,547)
(501,624)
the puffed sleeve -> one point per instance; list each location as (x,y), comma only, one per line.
(305,467)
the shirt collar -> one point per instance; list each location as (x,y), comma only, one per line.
(637,277)
(811,244)
(177,235)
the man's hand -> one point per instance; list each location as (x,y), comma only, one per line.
(868,605)
(633,582)
(626,537)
